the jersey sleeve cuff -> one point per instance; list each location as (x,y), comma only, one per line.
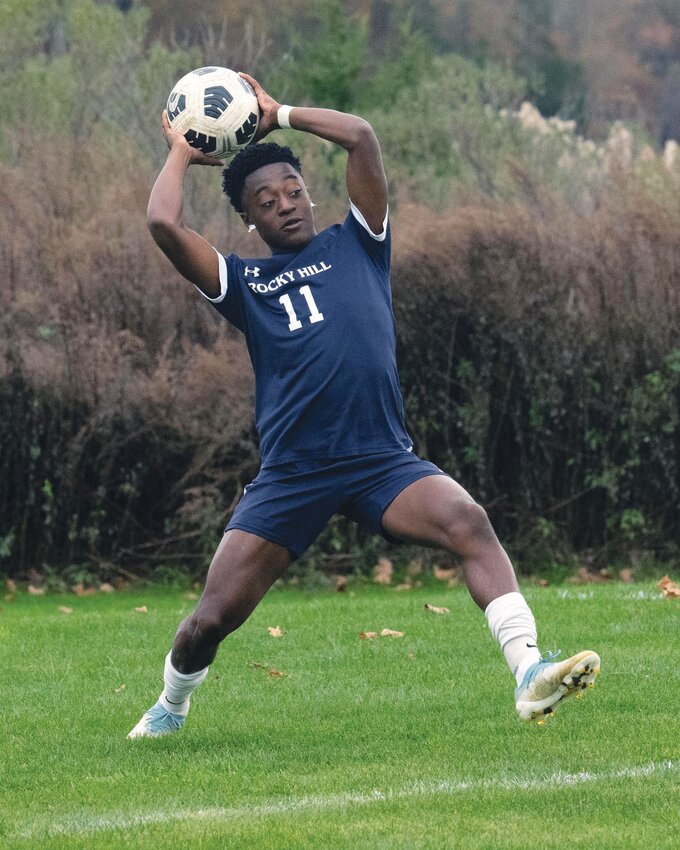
(223,280)
(358,215)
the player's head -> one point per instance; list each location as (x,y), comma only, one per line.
(265,186)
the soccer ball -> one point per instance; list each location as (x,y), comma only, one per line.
(215,110)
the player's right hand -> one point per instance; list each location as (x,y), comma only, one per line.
(174,139)
(268,109)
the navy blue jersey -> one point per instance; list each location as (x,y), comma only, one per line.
(320,331)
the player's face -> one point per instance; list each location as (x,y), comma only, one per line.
(276,201)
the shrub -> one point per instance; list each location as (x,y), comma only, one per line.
(540,364)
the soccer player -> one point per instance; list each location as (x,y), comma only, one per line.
(318,323)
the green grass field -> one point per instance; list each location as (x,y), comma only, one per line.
(393,743)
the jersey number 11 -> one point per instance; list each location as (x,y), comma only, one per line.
(314,316)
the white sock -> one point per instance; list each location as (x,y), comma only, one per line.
(512,624)
(178,687)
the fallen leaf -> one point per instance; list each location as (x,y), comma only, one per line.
(106,588)
(64,610)
(414,568)
(391,633)
(142,609)
(585,576)
(272,672)
(36,591)
(80,590)
(119,689)
(341,583)
(436,610)
(35,578)
(543,582)
(368,635)
(11,586)
(444,574)
(275,674)
(275,631)
(670,588)
(382,571)
(626,576)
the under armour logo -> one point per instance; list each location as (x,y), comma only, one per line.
(255,272)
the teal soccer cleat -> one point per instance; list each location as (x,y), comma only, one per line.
(156,722)
(547,682)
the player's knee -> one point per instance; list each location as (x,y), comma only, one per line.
(210,626)
(468,526)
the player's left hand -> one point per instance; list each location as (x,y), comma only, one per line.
(268,108)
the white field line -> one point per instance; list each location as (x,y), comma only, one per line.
(84,824)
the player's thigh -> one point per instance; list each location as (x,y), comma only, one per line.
(437,511)
(242,570)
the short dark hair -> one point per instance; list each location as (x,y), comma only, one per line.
(248,160)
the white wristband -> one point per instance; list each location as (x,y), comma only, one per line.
(283,117)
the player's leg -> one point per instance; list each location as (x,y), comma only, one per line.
(436,511)
(243,569)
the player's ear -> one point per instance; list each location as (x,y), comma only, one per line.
(308,190)
(246,220)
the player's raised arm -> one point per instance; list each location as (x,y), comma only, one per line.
(189,252)
(366,181)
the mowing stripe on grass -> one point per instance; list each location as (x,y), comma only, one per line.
(88,824)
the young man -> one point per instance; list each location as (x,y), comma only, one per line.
(318,323)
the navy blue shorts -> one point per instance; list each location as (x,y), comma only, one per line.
(289,504)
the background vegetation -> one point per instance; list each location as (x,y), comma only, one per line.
(535,193)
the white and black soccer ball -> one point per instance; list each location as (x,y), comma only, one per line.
(215,110)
